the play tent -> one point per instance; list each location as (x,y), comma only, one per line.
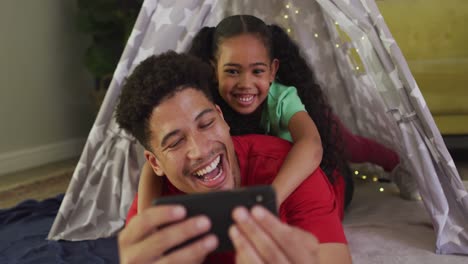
(358,64)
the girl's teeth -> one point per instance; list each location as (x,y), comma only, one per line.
(246,98)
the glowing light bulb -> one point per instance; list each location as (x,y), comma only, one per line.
(316,35)
(375,178)
(289,30)
(362,38)
(357,68)
(381,189)
(356,172)
(297,11)
(337,45)
(364,177)
(357,50)
(336,23)
(285,16)
(287,6)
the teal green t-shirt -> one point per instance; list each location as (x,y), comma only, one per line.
(282,103)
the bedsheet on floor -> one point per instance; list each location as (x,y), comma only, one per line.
(23,232)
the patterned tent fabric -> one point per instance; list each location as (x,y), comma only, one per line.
(374,93)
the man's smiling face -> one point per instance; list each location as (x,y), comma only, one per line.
(191,144)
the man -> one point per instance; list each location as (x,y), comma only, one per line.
(166,104)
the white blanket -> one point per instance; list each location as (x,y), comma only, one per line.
(383,228)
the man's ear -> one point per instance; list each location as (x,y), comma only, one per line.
(274,69)
(219,111)
(154,162)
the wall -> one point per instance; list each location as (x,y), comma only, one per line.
(432,34)
(45,106)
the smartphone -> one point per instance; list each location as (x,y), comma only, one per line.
(218,206)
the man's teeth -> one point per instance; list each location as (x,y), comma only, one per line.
(208,168)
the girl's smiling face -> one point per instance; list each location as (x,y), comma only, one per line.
(245,71)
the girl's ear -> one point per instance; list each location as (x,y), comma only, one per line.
(154,162)
(274,69)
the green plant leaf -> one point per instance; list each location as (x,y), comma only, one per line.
(109,24)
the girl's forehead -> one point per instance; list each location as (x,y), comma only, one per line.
(239,43)
(243,44)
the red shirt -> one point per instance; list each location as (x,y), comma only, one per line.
(312,206)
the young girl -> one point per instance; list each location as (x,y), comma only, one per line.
(265,86)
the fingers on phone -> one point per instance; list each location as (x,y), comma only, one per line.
(262,241)
(155,245)
(195,252)
(145,223)
(245,253)
(177,233)
(288,238)
(271,224)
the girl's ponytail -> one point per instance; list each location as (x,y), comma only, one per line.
(202,44)
(281,48)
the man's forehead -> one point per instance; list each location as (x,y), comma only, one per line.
(167,121)
(186,102)
(179,110)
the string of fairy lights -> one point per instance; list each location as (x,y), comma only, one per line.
(353,53)
(354,57)
(364,177)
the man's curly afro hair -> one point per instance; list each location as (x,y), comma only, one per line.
(154,80)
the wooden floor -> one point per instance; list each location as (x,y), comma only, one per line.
(37,183)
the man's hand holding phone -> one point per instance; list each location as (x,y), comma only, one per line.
(144,241)
(260,237)
(218,206)
(185,229)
